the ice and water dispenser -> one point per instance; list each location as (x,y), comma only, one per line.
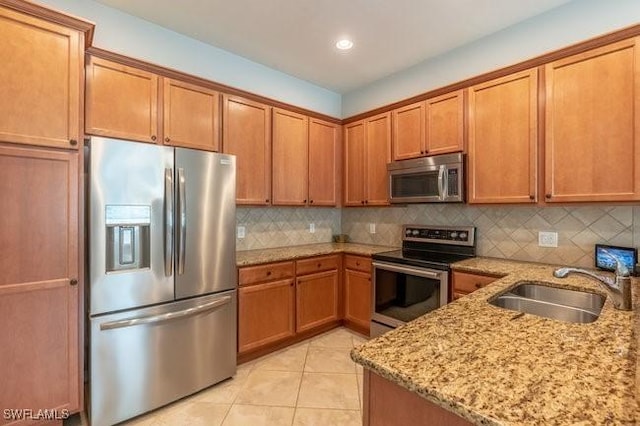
(128,237)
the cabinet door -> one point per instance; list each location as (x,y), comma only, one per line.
(378,154)
(40,81)
(191,116)
(265,314)
(324,142)
(316,300)
(445,123)
(246,133)
(464,283)
(503,139)
(122,101)
(39,258)
(357,305)
(290,156)
(409,131)
(592,136)
(354,166)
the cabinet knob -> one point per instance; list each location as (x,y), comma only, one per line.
(421,152)
(266,201)
(479,285)
(362,202)
(357,263)
(310,201)
(304,201)
(268,273)
(73,281)
(153,137)
(532,197)
(319,265)
(547,196)
(73,142)
(167,139)
(366,201)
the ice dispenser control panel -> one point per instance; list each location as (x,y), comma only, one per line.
(128,237)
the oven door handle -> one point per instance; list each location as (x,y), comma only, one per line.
(403,269)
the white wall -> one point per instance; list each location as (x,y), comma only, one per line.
(573,22)
(131,36)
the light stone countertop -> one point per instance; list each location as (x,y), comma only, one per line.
(255,257)
(495,366)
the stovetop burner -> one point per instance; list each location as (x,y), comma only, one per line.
(432,246)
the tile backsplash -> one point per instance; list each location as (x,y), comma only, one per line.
(503,231)
(267,227)
(508,231)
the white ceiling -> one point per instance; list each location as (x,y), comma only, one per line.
(298,37)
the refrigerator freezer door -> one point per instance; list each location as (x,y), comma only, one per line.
(205,222)
(143,359)
(127,242)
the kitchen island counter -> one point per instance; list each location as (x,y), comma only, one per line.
(491,365)
(255,257)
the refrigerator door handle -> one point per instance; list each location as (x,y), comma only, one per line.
(169,316)
(182,217)
(168,222)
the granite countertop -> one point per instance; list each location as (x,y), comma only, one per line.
(496,366)
(255,257)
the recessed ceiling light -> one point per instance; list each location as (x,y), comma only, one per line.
(344,44)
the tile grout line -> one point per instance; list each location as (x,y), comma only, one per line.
(304,365)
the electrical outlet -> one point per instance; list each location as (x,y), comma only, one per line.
(312,228)
(240,232)
(547,239)
(372,228)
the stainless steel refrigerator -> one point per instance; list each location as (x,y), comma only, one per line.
(162,275)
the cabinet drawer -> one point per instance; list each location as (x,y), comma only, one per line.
(316,264)
(264,273)
(468,283)
(357,263)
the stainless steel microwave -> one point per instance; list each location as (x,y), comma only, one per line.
(435,179)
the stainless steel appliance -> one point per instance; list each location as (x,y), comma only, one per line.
(414,280)
(435,179)
(162,274)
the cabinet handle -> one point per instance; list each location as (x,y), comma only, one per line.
(547,196)
(167,139)
(366,201)
(266,201)
(73,142)
(421,152)
(268,273)
(153,137)
(310,201)
(73,281)
(304,201)
(532,197)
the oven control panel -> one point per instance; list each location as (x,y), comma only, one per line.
(463,235)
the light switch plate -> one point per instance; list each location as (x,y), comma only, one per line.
(312,228)
(240,232)
(547,239)
(372,228)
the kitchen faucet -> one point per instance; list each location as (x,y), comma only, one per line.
(619,289)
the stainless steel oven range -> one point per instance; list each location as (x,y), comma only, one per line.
(414,280)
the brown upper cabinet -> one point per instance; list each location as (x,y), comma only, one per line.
(503,139)
(324,148)
(41,81)
(290,158)
(124,102)
(191,116)
(434,126)
(304,160)
(367,152)
(246,133)
(592,126)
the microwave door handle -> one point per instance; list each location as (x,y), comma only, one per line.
(441,183)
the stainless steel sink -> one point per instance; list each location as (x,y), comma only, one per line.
(539,298)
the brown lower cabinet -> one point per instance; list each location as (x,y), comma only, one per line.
(464,283)
(278,302)
(357,293)
(40,284)
(386,403)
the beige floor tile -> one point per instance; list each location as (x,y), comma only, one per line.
(243,370)
(256,415)
(222,393)
(185,413)
(270,388)
(323,390)
(289,359)
(320,416)
(358,339)
(329,360)
(359,369)
(337,338)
